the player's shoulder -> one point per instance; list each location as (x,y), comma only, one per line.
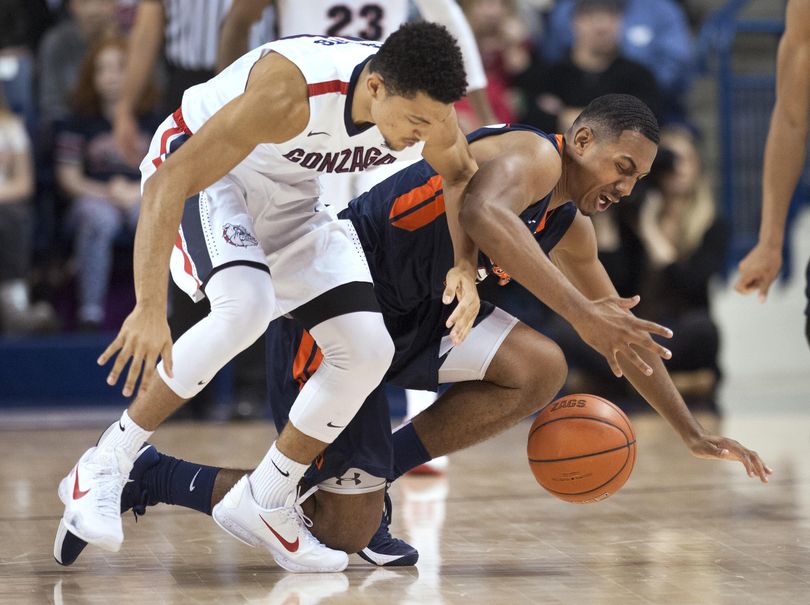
(536,149)
(275,74)
(276,83)
(529,140)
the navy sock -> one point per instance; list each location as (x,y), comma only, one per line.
(409,451)
(175,481)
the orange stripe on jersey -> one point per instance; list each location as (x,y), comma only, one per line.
(560,142)
(324,88)
(419,207)
(307,359)
(542,224)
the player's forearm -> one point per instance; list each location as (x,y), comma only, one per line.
(465,252)
(659,391)
(784,160)
(158,223)
(500,233)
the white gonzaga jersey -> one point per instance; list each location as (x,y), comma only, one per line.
(350,18)
(330,144)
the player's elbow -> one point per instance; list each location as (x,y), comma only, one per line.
(477,217)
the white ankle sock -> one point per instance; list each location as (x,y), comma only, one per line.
(275,478)
(125,434)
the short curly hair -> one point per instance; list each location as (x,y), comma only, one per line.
(616,113)
(422,57)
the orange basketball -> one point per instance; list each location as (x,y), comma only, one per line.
(581,448)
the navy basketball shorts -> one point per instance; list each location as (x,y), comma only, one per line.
(361,458)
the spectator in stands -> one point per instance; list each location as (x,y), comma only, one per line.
(503,40)
(16,59)
(685,245)
(594,67)
(104,188)
(63,49)
(17,314)
(654,33)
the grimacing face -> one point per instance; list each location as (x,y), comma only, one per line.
(605,170)
(404,121)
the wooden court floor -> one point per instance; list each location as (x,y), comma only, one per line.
(681,531)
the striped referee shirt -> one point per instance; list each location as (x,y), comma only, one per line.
(191,34)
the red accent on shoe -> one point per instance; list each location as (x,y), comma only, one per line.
(77,493)
(291,546)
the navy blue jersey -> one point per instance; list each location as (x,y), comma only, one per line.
(403,229)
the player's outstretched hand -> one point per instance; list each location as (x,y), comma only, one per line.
(758,270)
(722,448)
(610,328)
(143,337)
(460,284)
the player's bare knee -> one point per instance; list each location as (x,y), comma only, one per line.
(555,365)
(541,372)
(347,522)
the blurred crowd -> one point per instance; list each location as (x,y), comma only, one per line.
(84,83)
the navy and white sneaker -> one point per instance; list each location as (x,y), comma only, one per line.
(67,546)
(383,549)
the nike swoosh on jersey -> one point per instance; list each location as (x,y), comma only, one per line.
(290,546)
(191,485)
(312,133)
(335,426)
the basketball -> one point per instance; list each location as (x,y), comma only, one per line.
(581,448)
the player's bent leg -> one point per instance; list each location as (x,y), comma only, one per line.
(522,374)
(241,308)
(342,519)
(242,301)
(357,352)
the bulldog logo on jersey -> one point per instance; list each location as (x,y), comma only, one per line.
(237,235)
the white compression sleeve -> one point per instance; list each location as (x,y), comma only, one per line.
(242,304)
(357,352)
(449,14)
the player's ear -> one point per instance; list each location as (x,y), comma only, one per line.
(583,138)
(376,86)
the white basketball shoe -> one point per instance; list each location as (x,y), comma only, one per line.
(283,531)
(91,493)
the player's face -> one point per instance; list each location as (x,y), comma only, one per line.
(404,122)
(109,80)
(607,170)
